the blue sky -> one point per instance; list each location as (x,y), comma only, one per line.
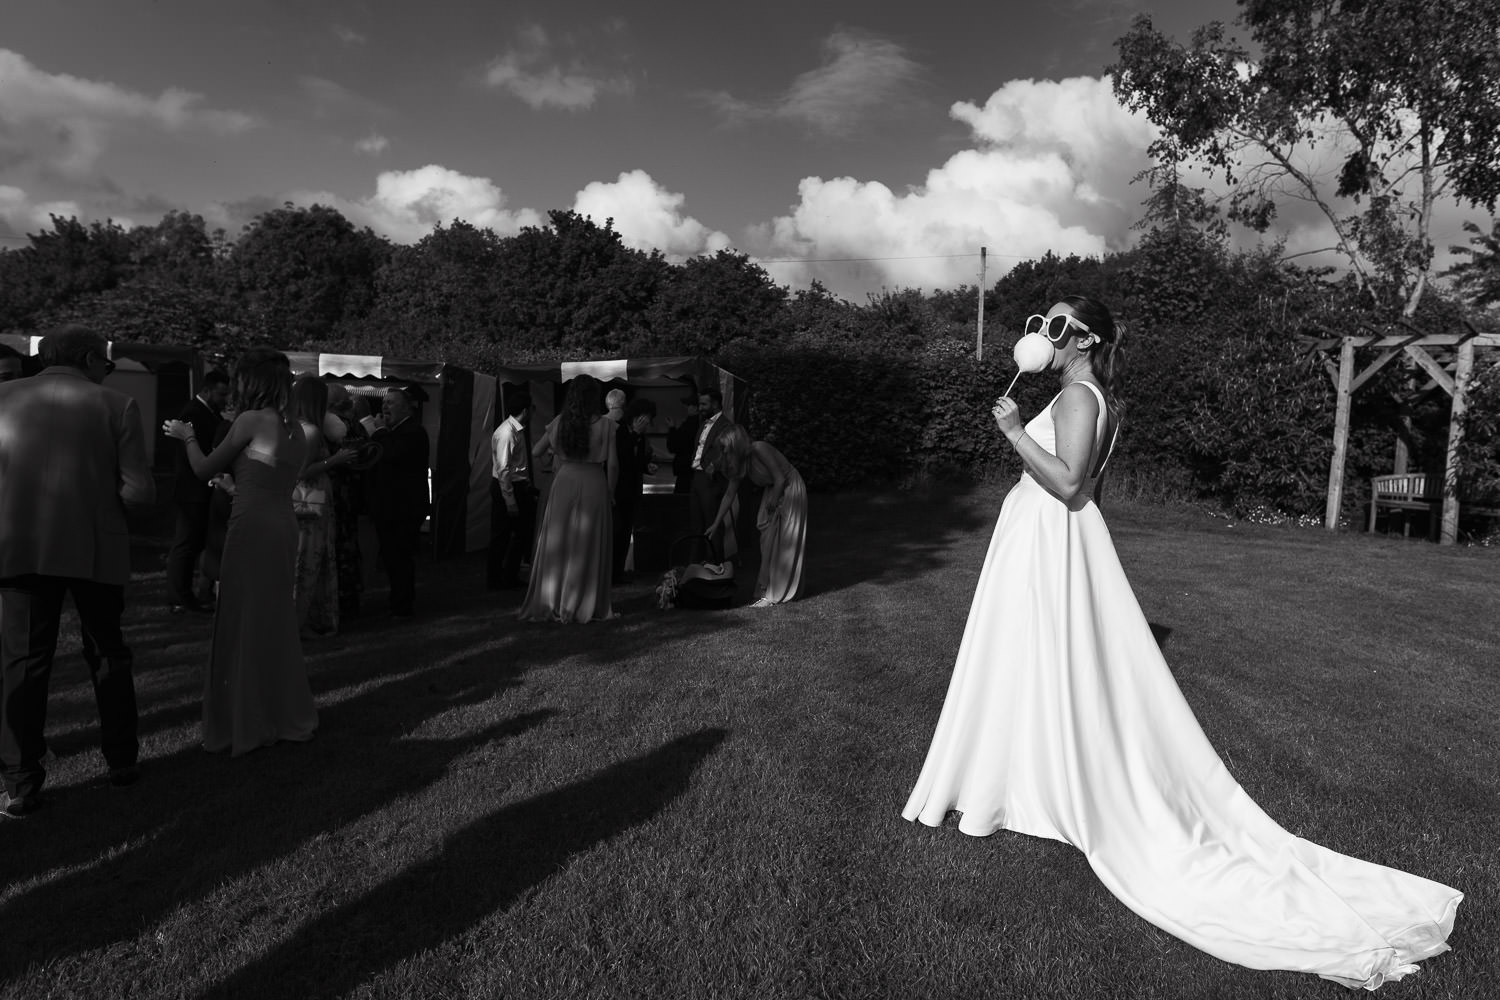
(803,134)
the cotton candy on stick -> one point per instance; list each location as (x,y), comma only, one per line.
(1032,354)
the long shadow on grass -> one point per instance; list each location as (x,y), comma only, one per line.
(483,867)
(129,857)
(888,537)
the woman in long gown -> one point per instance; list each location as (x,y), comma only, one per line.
(1062,720)
(570,564)
(781,519)
(255,691)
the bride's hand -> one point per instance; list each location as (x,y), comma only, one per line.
(1007,416)
(178,430)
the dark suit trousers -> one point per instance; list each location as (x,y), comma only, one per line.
(624,515)
(187,545)
(30,611)
(511,535)
(398,553)
(708,493)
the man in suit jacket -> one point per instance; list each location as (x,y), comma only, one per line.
(682,441)
(396,493)
(634,459)
(72,455)
(192,497)
(709,481)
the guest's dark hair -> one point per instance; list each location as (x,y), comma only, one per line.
(639,407)
(309,399)
(1106,357)
(579,410)
(517,403)
(715,395)
(70,346)
(262,379)
(215,376)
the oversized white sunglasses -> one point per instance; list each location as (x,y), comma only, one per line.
(1056,328)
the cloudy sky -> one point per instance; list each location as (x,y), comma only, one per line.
(866,144)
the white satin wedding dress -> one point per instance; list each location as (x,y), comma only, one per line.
(1062,720)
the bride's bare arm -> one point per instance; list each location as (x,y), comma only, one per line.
(1075,415)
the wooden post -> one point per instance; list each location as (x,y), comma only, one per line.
(1340,435)
(979,331)
(1455,437)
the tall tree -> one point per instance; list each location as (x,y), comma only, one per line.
(1478,278)
(59,266)
(573,287)
(305,276)
(714,300)
(1406,92)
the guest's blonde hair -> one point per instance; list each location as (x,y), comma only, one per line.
(736,447)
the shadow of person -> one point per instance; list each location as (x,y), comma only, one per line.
(882,538)
(165,855)
(1161,633)
(482,868)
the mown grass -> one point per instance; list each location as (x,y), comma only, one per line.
(682,804)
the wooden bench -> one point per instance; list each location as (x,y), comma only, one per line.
(1418,491)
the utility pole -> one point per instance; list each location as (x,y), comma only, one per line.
(979,332)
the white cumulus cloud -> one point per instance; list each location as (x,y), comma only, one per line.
(647,216)
(1049,170)
(20,214)
(407,204)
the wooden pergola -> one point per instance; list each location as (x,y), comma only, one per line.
(1447,360)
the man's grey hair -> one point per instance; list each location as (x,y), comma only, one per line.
(70,346)
(615,399)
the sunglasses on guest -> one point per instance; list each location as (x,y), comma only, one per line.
(1056,328)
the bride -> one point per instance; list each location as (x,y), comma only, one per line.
(1062,720)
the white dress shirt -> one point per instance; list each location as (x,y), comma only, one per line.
(702,440)
(509,458)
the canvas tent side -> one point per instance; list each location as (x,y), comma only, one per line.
(459,416)
(161,378)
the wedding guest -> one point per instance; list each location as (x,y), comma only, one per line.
(317,585)
(219,507)
(633,454)
(614,405)
(682,442)
(709,482)
(344,431)
(12,364)
(255,690)
(72,457)
(512,496)
(570,565)
(396,492)
(781,520)
(1063,721)
(191,497)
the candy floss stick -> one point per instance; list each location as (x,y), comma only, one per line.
(1012,384)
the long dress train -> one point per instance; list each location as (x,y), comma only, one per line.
(1062,720)
(255,690)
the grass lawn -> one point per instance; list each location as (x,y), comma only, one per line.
(691,804)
